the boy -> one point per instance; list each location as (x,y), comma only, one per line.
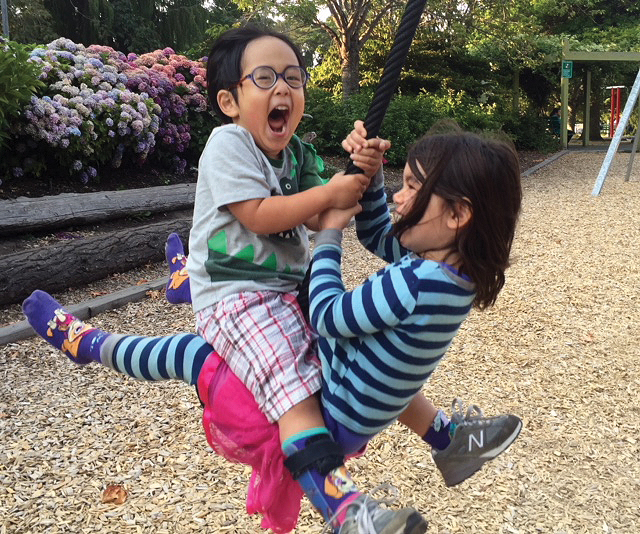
(257,187)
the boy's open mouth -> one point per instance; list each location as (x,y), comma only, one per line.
(278,118)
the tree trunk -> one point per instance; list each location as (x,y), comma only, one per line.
(24,215)
(58,267)
(350,70)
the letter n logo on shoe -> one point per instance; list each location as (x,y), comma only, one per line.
(477,439)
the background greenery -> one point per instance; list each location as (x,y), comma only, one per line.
(490,64)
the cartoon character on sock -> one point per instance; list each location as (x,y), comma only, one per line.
(71,327)
(338,483)
(179,276)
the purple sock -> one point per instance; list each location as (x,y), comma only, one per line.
(438,434)
(78,340)
(178,289)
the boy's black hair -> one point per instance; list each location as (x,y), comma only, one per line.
(465,168)
(224,64)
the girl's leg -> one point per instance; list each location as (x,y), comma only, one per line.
(460,447)
(146,358)
(431,424)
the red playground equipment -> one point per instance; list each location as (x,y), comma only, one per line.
(616,103)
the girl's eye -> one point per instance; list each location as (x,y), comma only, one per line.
(411,184)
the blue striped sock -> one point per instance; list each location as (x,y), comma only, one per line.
(180,356)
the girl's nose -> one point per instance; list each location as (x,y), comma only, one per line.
(398,196)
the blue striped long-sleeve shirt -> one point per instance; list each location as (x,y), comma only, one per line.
(380,342)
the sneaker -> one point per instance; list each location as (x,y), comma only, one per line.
(366,516)
(475,440)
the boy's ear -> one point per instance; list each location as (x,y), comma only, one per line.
(461,214)
(227,103)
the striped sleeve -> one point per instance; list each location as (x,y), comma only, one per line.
(373,224)
(381,302)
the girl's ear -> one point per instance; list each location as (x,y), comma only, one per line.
(460,214)
(227,103)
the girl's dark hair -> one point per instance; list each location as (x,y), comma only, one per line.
(224,64)
(462,167)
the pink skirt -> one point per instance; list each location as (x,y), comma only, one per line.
(237,430)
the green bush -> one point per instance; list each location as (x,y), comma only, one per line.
(18,83)
(407,118)
(530,131)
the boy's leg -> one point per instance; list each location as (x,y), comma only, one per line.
(147,358)
(316,461)
(178,289)
(460,447)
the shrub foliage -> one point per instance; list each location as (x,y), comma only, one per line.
(69,111)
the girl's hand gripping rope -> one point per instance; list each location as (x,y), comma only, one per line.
(367,154)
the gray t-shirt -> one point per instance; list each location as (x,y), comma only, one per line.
(224,257)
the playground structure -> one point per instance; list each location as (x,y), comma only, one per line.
(616,103)
(618,122)
(617,137)
(569,57)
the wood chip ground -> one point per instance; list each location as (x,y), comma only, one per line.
(560,349)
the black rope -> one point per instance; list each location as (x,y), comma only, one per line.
(379,103)
(391,72)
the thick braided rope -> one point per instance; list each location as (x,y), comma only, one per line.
(391,72)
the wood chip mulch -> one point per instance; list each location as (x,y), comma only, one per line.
(560,349)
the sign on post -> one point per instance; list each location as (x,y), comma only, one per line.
(567,69)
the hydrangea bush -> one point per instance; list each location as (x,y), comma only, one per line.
(99,107)
(178,86)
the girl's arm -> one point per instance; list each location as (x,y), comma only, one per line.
(380,303)
(373,223)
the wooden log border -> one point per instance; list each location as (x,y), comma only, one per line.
(24,215)
(63,265)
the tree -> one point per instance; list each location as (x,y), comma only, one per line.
(350,25)
(30,22)
(131,25)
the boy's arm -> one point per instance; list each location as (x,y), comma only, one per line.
(366,154)
(280,213)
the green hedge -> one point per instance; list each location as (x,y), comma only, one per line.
(18,83)
(407,118)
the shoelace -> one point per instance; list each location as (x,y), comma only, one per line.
(364,518)
(458,415)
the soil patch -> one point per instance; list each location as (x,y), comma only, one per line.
(110,180)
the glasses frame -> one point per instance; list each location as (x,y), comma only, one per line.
(251,76)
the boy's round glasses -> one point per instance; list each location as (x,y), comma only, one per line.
(266,77)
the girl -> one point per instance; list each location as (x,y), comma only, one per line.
(380,342)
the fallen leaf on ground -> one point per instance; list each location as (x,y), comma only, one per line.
(114,493)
